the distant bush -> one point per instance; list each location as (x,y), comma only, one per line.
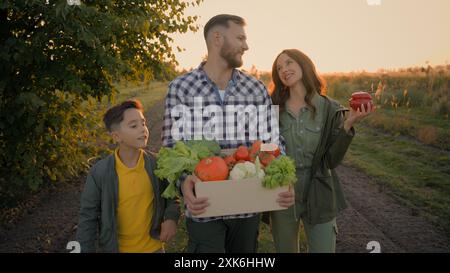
(426,87)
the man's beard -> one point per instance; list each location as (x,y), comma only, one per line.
(230,56)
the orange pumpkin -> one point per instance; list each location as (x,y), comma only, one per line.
(212,169)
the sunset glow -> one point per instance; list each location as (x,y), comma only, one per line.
(341,35)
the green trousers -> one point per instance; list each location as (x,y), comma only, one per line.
(223,236)
(285,228)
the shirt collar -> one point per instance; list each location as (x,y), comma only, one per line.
(315,101)
(201,75)
(123,167)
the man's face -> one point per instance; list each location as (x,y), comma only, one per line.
(132,131)
(234,45)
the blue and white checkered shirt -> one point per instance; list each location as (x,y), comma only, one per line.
(195,89)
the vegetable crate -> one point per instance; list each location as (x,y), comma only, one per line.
(228,197)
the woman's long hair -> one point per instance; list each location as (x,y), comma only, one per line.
(311,80)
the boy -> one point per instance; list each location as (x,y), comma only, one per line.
(122,196)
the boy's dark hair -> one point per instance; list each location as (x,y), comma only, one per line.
(114,115)
(222,20)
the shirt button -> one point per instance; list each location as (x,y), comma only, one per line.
(301,121)
(301,131)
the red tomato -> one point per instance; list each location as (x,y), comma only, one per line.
(242,154)
(230,160)
(359,98)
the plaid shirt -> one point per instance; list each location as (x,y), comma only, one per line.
(195,89)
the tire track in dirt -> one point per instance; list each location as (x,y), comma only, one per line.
(374,215)
(48,224)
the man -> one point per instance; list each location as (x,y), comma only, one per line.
(218,83)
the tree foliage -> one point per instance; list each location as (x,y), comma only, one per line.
(54,57)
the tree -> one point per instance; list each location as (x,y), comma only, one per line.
(55,56)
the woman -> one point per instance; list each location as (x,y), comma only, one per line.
(317,136)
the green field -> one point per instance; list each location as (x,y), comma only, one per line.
(148,93)
(418,175)
(405,146)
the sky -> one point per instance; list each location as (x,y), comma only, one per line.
(338,35)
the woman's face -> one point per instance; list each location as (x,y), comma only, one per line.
(288,70)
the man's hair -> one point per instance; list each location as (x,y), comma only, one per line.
(222,20)
(114,115)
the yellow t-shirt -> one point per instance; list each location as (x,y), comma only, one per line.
(135,208)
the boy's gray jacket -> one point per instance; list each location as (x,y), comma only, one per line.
(99,206)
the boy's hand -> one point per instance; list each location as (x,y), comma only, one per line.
(168,230)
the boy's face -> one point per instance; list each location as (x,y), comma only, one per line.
(132,131)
